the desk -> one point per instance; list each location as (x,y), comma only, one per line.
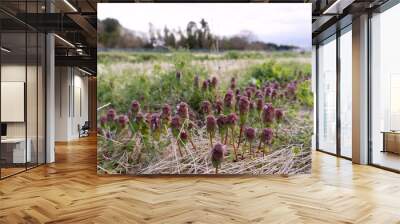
(391,141)
(13,150)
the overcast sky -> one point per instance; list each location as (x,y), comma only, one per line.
(277,23)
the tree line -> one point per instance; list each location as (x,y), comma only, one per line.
(196,36)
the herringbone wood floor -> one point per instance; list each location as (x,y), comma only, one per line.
(69,191)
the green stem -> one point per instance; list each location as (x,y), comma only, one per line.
(179,147)
(240,135)
(259,146)
(250,151)
(233,143)
(211,140)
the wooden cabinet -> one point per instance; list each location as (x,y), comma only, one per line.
(391,142)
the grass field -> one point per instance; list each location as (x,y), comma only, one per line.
(247,113)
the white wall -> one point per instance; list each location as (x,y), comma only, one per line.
(70,83)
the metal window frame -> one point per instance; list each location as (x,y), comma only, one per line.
(339,32)
(381,9)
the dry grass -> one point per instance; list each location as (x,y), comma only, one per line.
(281,160)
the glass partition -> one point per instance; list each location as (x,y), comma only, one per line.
(327,96)
(346,93)
(385,89)
(14,153)
(22,77)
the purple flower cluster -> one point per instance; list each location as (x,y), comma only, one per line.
(228,99)
(250,134)
(135,107)
(205,85)
(279,115)
(183,110)
(111,114)
(219,106)
(222,121)
(244,105)
(260,104)
(176,122)
(206,107)
(103,120)
(123,121)
(155,123)
(214,82)
(217,154)
(211,124)
(266,135)
(231,120)
(233,83)
(268,114)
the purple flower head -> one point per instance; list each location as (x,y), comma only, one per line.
(268,91)
(291,88)
(183,110)
(244,105)
(196,82)
(231,119)
(219,106)
(178,75)
(111,114)
(175,122)
(250,134)
(135,107)
(279,115)
(228,99)
(217,154)
(268,113)
(122,120)
(184,136)
(155,122)
(260,104)
(206,107)
(166,112)
(233,83)
(259,94)
(266,135)
(214,82)
(274,93)
(103,120)
(205,85)
(211,123)
(222,121)
(275,85)
(237,92)
(252,105)
(248,93)
(109,135)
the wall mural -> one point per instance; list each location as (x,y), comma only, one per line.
(204,89)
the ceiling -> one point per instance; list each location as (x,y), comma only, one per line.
(75,21)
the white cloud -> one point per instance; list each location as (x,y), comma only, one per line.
(279,23)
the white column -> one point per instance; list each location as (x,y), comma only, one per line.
(50,100)
(360,90)
(314,90)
